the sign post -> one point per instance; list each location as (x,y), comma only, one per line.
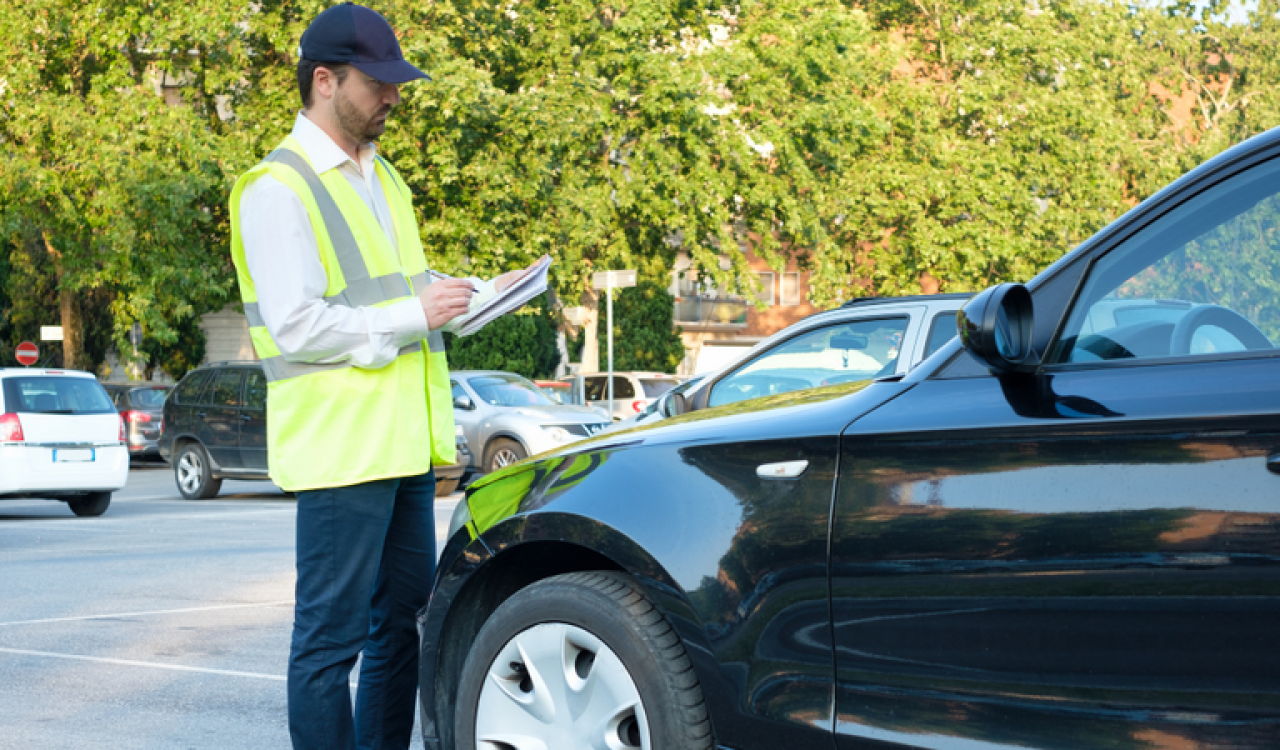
(607,280)
(27,353)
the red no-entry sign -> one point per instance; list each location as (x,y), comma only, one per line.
(28,353)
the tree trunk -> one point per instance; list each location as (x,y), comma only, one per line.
(72,328)
(70,313)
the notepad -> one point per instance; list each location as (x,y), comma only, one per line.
(513,297)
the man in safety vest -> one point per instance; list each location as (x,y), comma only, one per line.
(347,321)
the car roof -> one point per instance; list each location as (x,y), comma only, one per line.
(8,372)
(867,301)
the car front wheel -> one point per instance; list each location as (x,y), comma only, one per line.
(503,452)
(90,504)
(582,660)
(194,474)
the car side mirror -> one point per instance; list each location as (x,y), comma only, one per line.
(464,403)
(676,405)
(996,327)
(849,341)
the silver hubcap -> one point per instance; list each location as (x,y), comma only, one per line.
(190,469)
(504,457)
(557,686)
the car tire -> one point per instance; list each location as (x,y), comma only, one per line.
(502,452)
(90,504)
(194,473)
(576,656)
(446,486)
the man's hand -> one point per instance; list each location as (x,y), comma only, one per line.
(445,300)
(511,277)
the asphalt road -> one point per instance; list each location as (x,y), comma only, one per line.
(162,624)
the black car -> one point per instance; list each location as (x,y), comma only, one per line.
(216,429)
(141,405)
(1062,530)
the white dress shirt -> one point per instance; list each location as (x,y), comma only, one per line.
(283,259)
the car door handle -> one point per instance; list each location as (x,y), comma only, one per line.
(782,469)
(245,417)
(1273,463)
(200,414)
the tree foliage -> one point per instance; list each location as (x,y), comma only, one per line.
(644,334)
(891,146)
(522,342)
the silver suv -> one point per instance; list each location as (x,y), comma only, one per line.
(865,339)
(505,417)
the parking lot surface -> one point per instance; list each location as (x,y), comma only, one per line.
(162,624)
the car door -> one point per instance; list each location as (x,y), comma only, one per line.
(253,421)
(218,418)
(469,420)
(1055,559)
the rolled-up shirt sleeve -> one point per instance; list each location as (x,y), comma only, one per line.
(283,260)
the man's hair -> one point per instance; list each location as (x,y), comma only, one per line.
(307,72)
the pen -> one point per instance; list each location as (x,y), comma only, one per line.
(441,277)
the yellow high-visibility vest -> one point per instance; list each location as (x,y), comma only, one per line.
(336,425)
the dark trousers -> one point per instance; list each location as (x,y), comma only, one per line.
(366,559)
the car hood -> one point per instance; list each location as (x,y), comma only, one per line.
(555,414)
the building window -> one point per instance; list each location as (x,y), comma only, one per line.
(766,288)
(790,288)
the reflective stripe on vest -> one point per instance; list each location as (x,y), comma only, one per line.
(361,289)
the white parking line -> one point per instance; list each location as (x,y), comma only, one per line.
(144,614)
(131,663)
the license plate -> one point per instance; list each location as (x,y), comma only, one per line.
(74,454)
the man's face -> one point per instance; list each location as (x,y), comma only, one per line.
(362,104)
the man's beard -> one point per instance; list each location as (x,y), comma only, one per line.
(358,127)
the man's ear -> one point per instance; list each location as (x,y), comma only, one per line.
(324,82)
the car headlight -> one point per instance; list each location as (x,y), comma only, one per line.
(558,433)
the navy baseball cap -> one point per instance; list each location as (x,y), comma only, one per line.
(354,34)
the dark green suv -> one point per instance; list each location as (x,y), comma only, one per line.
(215,428)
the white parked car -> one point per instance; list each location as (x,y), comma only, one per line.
(60,438)
(632,391)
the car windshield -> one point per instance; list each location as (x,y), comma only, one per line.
(44,394)
(148,397)
(654,387)
(504,389)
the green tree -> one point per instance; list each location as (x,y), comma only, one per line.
(644,335)
(522,342)
(121,192)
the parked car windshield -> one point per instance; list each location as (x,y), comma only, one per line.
(43,394)
(148,398)
(506,389)
(654,387)
(832,354)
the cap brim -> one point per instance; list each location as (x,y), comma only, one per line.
(393,71)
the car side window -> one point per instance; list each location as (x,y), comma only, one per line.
(594,388)
(190,387)
(457,389)
(942,330)
(837,353)
(622,388)
(255,390)
(1203,280)
(226,389)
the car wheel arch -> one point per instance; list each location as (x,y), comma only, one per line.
(504,434)
(519,562)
